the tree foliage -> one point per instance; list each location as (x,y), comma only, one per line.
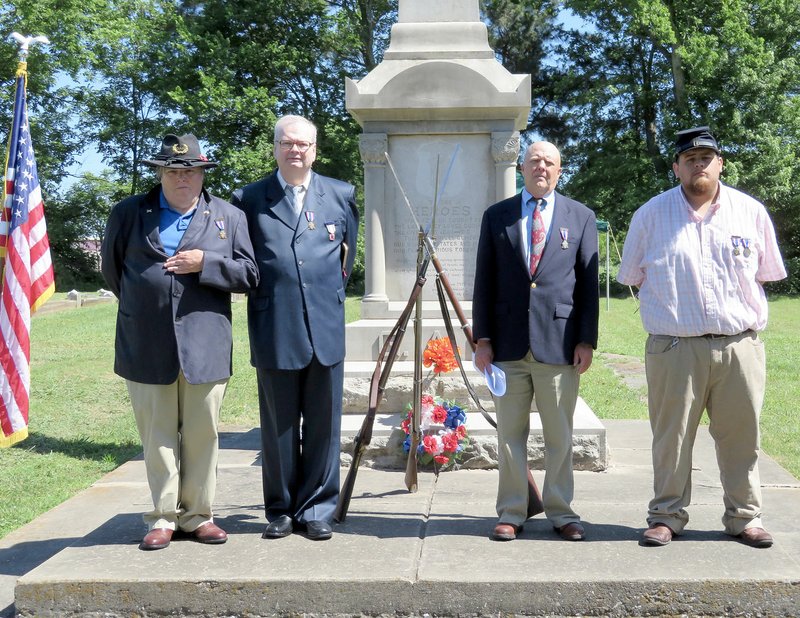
(522,35)
(611,84)
(644,69)
(75,227)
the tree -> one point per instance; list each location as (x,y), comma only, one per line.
(256,60)
(644,69)
(54,139)
(130,54)
(522,33)
(362,28)
(75,226)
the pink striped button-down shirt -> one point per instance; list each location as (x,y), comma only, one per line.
(701,276)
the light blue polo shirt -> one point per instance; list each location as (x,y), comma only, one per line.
(172,225)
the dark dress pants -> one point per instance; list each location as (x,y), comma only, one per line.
(301,413)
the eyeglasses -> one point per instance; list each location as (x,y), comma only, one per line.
(286,145)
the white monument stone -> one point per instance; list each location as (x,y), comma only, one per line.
(439,86)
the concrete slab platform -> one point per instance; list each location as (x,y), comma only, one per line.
(409,554)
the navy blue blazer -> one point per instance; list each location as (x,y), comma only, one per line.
(297,311)
(168,322)
(551,312)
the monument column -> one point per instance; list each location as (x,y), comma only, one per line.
(373,148)
(505,152)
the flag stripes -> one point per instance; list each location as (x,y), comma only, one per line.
(27,280)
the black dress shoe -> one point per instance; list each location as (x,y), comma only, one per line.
(281,527)
(318,530)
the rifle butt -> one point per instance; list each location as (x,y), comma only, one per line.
(535,504)
(346,492)
(411,479)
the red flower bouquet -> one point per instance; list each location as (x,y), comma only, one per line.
(444,434)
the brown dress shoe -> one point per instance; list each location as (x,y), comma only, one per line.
(657,535)
(572,531)
(505,532)
(210,533)
(755,537)
(157,538)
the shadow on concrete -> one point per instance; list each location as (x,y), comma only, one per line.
(249,440)
(22,557)
(81,448)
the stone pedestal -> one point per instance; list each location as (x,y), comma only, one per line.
(590,450)
(438,89)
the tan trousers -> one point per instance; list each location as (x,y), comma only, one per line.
(726,377)
(178,427)
(555,388)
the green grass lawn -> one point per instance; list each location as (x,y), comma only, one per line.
(81,426)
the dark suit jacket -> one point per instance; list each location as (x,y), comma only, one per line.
(168,322)
(553,311)
(297,311)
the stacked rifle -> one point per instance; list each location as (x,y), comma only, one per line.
(426,254)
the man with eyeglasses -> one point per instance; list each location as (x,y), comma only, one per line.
(173,256)
(304,229)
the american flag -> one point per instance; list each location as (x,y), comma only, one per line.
(27,280)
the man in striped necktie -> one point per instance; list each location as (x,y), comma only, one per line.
(535,313)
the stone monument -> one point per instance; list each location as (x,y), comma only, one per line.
(439,87)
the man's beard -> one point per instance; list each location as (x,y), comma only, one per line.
(702,185)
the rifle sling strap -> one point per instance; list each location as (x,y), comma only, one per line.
(392,345)
(451,335)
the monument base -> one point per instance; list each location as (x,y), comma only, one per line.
(385,451)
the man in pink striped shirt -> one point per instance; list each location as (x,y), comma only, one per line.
(699,254)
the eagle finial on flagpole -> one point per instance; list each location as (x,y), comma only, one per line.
(24,43)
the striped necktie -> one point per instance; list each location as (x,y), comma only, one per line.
(293,192)
(537,235)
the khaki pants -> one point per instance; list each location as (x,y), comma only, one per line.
(725,376)
(555,388)
(178,427)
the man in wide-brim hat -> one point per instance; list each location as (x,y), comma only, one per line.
(173,256)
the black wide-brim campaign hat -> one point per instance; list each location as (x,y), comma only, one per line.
(183,151)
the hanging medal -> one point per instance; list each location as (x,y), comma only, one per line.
(564,237)
(331,227)
(735,241)
(220,223)
(310,219)
(746,244)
